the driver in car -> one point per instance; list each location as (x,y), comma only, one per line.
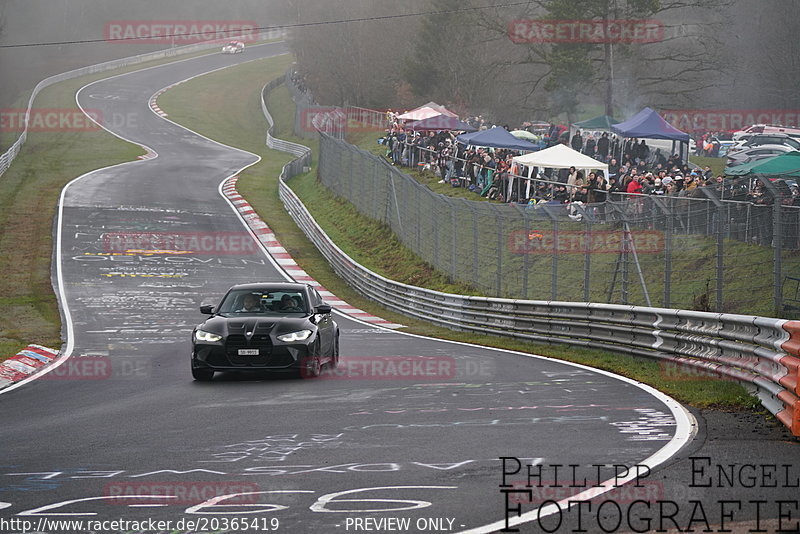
(251,304)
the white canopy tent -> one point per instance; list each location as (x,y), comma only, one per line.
(557,157)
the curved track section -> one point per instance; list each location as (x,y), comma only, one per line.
(411,429)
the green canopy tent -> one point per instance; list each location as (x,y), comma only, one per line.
(787,164)
(603,122)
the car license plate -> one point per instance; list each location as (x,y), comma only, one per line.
(248,352)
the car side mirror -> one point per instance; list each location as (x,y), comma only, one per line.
(323,309)
(207,309)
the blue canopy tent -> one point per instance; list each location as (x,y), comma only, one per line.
(496,137)
(648,124)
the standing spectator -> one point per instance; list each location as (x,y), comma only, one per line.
(577,141)
(598,188)
(647,184)
(635,185)
(572,179)
(598,194)
(615,147)
(643,152)
(658,187)
(602,147)
(590,146)
(613,168)
(442,158)
(579,183)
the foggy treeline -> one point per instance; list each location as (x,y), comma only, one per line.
(47,21)
(715,54)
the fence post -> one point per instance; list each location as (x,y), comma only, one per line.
(454,237)
(498,223)
(720,256)
(777,241)
(418,235)
(554,274)
(668,258)
(432,217)
(525,260)
(777,244)
(587,261)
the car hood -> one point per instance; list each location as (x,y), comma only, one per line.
(243,325)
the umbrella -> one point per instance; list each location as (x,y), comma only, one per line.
(524,134)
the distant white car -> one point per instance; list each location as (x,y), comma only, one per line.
(765,129)
(234,47)
(757,152)
(765,139)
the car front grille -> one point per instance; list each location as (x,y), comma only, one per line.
(262,342)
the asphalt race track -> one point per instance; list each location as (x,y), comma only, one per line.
(123,417)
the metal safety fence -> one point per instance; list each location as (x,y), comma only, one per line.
(759,352)
(694,253)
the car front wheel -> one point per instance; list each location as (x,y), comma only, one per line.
(334,354)
(312,366)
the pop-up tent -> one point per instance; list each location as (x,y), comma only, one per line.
(559,157)
(603,122)
(648,124)
(496,137)
(787,164)
(431,109)
(556,157)
(440,122)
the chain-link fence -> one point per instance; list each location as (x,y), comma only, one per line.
(336,121)
(672,252)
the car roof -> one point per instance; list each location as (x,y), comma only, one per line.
(785,148)
(276,286)
(782,135)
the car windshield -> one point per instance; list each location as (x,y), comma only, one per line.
(264,301)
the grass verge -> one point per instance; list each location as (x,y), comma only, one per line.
(29,192)
(237,122)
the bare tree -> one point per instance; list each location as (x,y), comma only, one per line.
(356,62)
(668,71)
(775,75)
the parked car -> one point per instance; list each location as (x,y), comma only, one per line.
(765,129)
(266,327)
(234,47)
(765,139)
(747,155)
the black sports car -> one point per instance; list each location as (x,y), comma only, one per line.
(266,327)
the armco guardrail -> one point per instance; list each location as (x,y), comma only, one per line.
(759,352)
(8,156)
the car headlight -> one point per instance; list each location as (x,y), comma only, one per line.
(301,335)
(202,335)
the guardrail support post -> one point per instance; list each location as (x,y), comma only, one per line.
(791,415)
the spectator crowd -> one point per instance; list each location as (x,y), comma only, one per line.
(634,168)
